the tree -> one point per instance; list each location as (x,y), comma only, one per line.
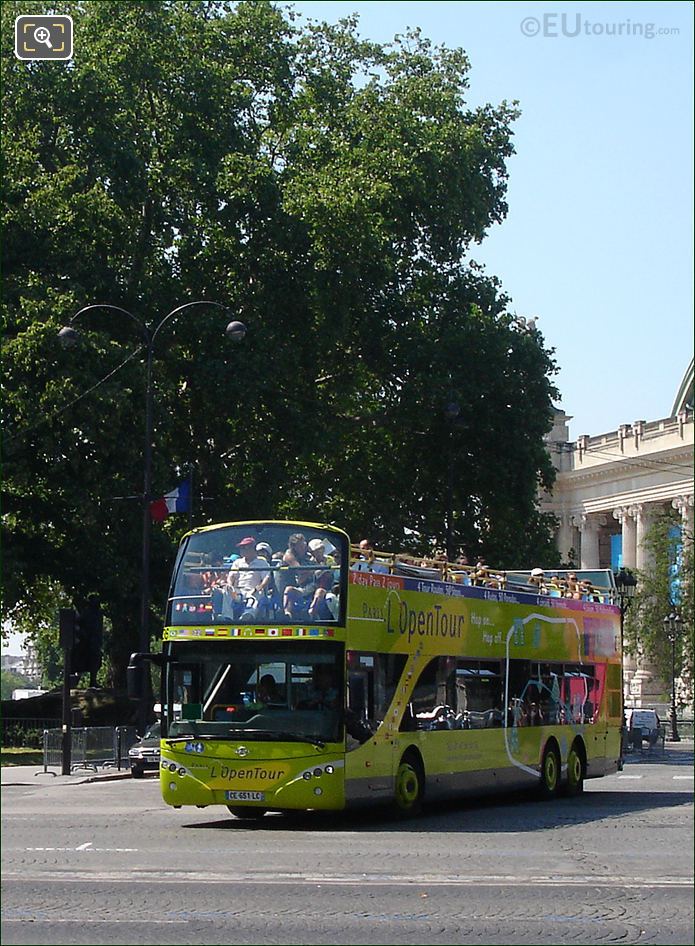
(9,681)
(330,190)
(664,587)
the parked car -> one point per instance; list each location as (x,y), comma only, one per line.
(145,753)
(643,725)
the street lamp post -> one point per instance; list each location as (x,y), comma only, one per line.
(672,627)
(69,337)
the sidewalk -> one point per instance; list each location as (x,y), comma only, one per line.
(35,776)
(678,753)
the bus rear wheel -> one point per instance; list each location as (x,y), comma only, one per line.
(550,773)
(409,788)
(247,814)
(575,772)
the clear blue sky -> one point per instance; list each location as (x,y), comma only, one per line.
(598,242)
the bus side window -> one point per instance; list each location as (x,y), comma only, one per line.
(430,706)
(372,683)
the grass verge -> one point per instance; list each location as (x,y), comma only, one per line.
(21,756)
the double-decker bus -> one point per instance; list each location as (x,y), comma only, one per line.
(300,672)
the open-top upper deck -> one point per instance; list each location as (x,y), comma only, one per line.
(597,585)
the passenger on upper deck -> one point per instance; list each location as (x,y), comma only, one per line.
(296,577)
(324,604)
(481,573)
(264,551)
(248,578)
(270,602)
(214,575)
(537,581)
(321,551)
(367,561)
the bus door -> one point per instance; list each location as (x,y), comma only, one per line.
(371,730)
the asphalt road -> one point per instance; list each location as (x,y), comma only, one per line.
(109,863)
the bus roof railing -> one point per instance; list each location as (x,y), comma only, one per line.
(581,584)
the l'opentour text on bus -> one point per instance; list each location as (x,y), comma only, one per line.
(327,680)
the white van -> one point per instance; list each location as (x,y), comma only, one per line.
(643,725)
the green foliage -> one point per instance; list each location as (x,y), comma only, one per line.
(10,681)
(666,587)
(18,737)
(330,191)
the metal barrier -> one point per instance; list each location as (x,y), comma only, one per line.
(52,750)
(123,738)
(91,747)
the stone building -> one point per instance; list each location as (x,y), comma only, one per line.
(25,664)
(608,489)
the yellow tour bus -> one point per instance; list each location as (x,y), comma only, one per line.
(300,672)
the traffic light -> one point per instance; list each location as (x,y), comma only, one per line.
(67,618)
(80,646)
(89,638)
(82,634)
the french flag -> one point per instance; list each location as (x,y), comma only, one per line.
(178,500)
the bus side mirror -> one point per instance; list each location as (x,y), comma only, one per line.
(135,673)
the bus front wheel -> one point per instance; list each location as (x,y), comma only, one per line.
(550,773)
(409,787)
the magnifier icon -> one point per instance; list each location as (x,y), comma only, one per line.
(43,35)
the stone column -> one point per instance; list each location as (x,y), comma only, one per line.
(629,535)
(627,523)
(588,526)
(640,513)
(565,535)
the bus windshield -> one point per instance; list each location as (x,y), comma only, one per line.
(259,573)
(257,691)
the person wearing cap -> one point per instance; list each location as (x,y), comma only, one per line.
(248,579)
(538,579)
(321,552)
(270,601)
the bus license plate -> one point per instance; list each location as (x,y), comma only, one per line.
(244,796)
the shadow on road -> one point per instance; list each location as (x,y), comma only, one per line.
(493,815)
(656,755)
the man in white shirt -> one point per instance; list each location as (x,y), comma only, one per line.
(367,562)
(248,577)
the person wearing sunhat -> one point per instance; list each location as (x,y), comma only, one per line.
(265,551)
(248,578)
(537,579)
(321,552)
